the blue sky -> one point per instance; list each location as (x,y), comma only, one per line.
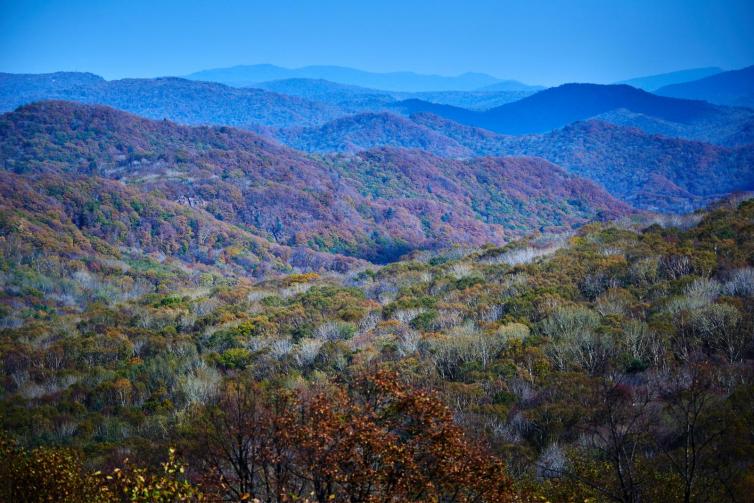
(534,41)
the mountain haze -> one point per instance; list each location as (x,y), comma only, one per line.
(558,106)
(654,82)
(355,98)
(180,100)
(734,88)
(309,103)
(245,75)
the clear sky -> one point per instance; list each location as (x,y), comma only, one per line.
(539,42)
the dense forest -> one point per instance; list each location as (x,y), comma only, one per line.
(376,205)
(312,291)
(648,171)
(611,365)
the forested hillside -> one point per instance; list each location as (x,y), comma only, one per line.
(406,308)
(371,322)
(376,205)
(647,171)
(179,100)
(347,252)
(558,369)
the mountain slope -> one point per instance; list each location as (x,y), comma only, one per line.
(337,204)
(357,99)
(734,88)
(556,107)
(179,100)
(472,100)
(649,171)
(245,75)
(320,89)
(272,104)
(725,126)
(631,164)
(654,82)
(80,216)
(18,89)
(345,97)
(367,130)
(514,193)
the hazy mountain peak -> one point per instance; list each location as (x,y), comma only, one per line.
(654,82)
(243,75)
(735,87)
(509,85)
(558,106)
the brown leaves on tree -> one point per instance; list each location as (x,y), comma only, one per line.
(373,441)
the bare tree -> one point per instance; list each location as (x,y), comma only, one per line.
(691,428)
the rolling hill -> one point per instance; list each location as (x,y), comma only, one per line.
(367,130)
(648,171)
(604,154)
(375,205)
(273,104)
(176,99)
(360,99)
(725,126)
(472,100)
(92,218)
(310,103)
(734,88)
(325,91)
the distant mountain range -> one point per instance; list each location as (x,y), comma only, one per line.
(359,99)
(559,106)
(324,90)
(654,82)
(282,103)
(650,172)
(309,103)
(472,100)
(734,88)
(509,86)
(176,99)
(246,75)
(375,205)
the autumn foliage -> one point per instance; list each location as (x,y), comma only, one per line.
(368,442)
(53,474)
